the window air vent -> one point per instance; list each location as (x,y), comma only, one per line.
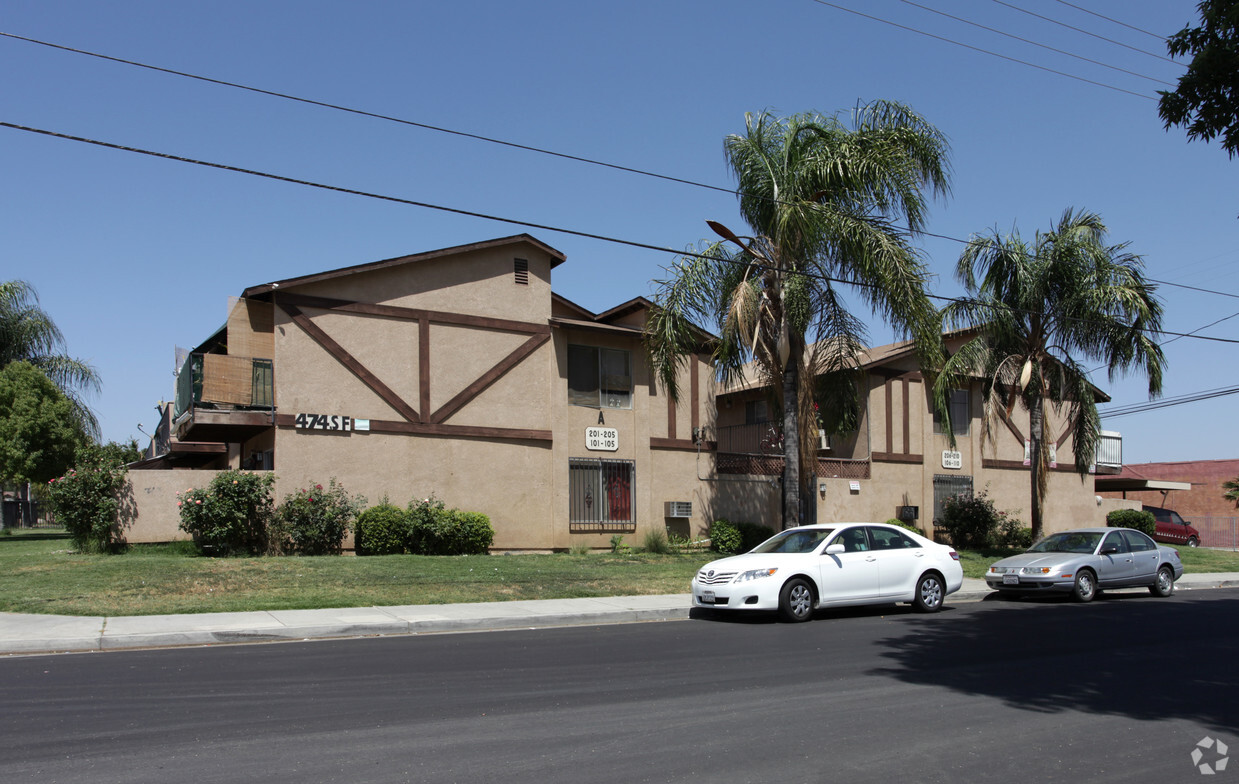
(677,509)
(521,268)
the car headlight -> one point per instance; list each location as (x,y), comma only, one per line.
(1036,570)
(755,574)
(998,569)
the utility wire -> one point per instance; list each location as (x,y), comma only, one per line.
(1158,36)
(473,214)
(983,51)
(364,113)
(450,131)
(1140,408)
(1086,32)
(1034,43)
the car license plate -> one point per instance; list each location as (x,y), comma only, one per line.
(1010,579)
(707,597)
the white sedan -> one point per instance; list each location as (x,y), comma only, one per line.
(832,565)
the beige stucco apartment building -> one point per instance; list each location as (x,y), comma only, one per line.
(460,374)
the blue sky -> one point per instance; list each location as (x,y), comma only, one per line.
(133,256)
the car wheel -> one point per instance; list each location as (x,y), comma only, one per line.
(929,593)
(796,600)
(1086,586)
(1165,582)
(1193,542)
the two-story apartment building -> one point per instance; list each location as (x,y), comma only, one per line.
(459,373)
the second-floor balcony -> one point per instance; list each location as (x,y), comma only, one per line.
(223,398)
(757,449)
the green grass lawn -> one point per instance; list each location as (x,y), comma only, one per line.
(40,573)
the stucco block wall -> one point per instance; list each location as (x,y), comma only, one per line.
(156,516)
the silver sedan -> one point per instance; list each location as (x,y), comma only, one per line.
(1087,560)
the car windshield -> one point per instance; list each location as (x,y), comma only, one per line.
(794,541)
(1067,542)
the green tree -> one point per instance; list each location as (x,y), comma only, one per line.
(1039,308)
(1232,490)
(28,334)
(821,200)
(90,500)
(39,433)
(1206,100)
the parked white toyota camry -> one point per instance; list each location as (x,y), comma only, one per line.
(832,565)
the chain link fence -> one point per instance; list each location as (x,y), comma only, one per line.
(1219,532)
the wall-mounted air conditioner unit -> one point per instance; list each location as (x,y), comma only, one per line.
(677,509)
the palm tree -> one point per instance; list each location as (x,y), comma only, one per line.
(1039,309)
(28,334)
(821,200)
(1232,490)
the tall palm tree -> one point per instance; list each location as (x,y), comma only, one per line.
(28,334)
(821,200)
(1040,308)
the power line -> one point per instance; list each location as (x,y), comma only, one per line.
(479,137)
(1140,408)
(983,51)
(1086,32)
(1159,37)
(473,214)
(1035,43)
(364,113)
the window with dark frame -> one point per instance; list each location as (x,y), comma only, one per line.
(599,377)
(960,414)
(601,494)
(946,486)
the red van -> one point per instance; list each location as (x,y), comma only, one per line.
(1172,528)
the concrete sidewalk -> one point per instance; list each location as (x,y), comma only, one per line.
(23,634)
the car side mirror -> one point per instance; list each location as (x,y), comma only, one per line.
(1110,549)
(835,549)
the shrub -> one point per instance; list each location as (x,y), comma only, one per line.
(656,541)
(1012,533)
(313,521)
(725,538)
(86,500)
(617,544)
(1139,519)
(974,522)
(382,530)
(895,521)
(437,530)
(753,534)
(231,515)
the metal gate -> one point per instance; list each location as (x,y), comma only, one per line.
(602,495)
(946,486)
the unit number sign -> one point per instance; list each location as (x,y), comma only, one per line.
(324,422)
(601,439)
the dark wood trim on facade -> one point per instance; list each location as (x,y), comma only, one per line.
(349,361)
(907,416)
(489,377)
(670,419)
(1018,465)
(411,314)
(890,416)
(896,457)
(683,444)
(539,335)
(435,429)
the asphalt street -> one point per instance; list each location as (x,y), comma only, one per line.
(1122,689)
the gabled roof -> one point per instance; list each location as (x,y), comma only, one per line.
(265,289)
